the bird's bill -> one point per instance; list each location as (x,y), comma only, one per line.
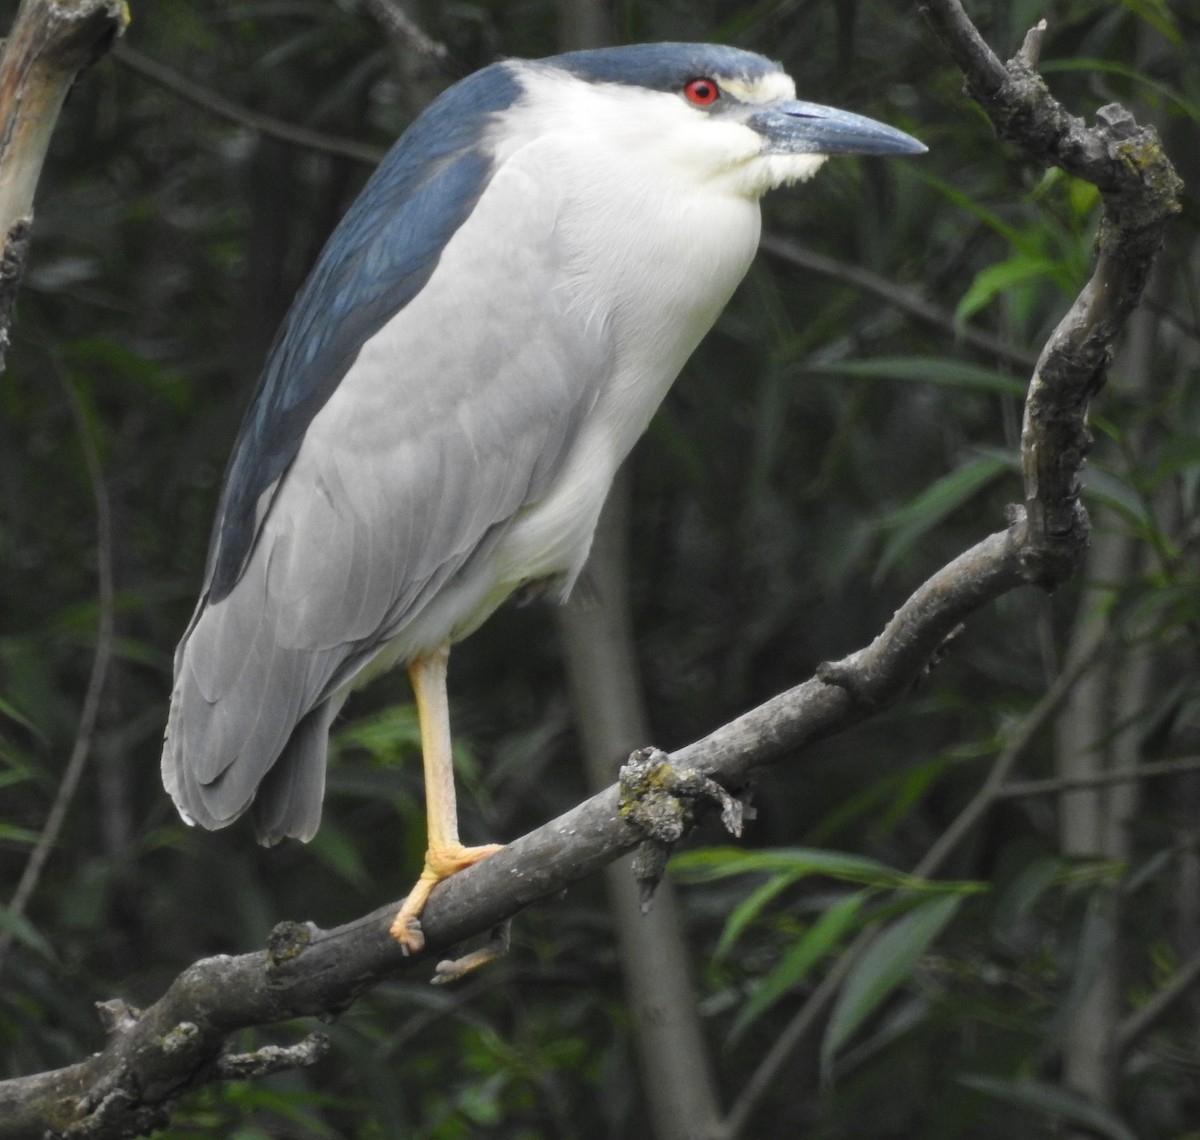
(794,127)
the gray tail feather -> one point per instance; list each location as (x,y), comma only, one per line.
(288,801)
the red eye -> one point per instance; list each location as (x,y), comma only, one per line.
(702,92)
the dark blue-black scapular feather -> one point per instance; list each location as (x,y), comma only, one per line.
(379,257)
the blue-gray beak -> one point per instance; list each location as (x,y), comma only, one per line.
(792,127)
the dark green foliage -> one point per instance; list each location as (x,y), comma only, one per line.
(822,454)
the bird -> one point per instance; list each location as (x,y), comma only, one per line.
(485,335)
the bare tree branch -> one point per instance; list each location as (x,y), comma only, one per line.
(266,125)
(906,300)
(1145,1017)
(403,29)
(1139,189)
(1150,770)
(50,42)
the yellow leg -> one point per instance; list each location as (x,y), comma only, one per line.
(444,854)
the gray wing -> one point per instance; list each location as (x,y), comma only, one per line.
(458,413)
(380,256)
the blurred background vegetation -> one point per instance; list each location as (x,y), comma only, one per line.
(827,448)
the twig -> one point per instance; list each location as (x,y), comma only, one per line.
(1129,775)
(273,1059)
(906,300)
(81,749)
(762,1080)
(403,29)
(1142,1020)
(1031,47)
(218,105)
(993,787)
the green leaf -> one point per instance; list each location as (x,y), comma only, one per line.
(928,509)
(389,737)
(14,714)
(1083,196)
(1192,110)
(1053,1101)
(1159,16)
(892,797)
(333,847)
(1117,493)
(1176,454)
(971,205)
(749,909)
(26,933)
(995,279)
(712,863)
(908,789)
(926,370)
(11,833)
(1026,888)
(883,966)
(824,935)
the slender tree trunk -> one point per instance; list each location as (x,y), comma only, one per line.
(603,675)
(584,24)
(1100,728)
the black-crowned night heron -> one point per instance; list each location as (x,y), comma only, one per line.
(481,342)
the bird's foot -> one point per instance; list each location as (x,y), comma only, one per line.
(440,863)
(660,800)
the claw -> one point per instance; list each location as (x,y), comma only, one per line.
(406,929)
(440,864)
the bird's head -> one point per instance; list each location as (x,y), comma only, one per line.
(713,113)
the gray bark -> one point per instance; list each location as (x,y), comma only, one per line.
(606,694)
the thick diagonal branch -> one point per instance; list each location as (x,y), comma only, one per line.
(154,1056)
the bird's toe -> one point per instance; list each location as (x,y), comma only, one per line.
(406,929)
